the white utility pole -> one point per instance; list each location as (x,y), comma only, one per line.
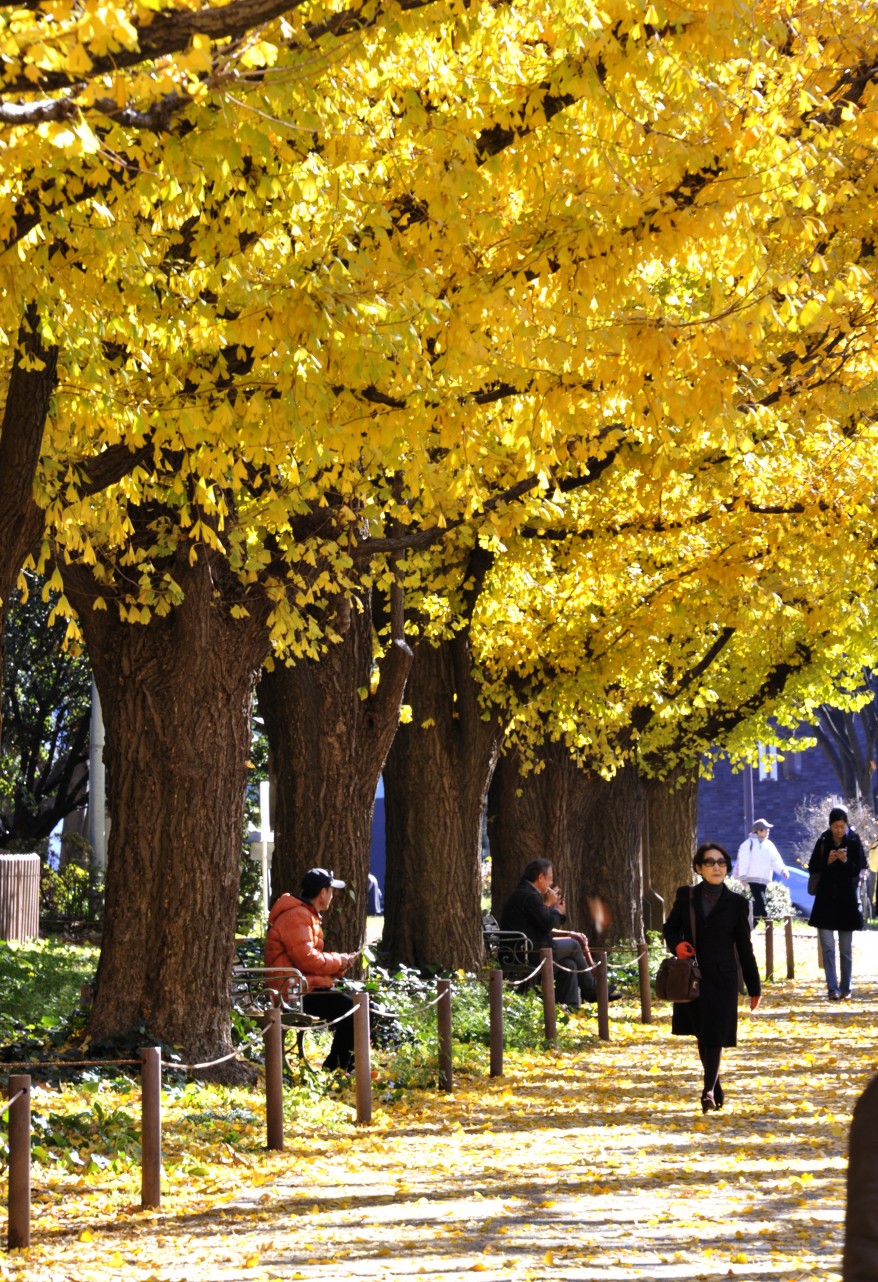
(97,785)
(266,842)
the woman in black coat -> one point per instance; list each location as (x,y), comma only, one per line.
(722,926)
(837,860)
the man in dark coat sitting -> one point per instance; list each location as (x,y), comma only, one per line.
(536,909)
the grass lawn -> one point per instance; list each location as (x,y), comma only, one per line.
(40,982)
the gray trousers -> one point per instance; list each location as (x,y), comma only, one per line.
(574,982)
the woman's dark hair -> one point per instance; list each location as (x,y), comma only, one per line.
(703,849)
(536,868)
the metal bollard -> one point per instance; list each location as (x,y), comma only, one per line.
(791,957)
(495,1010)
(443,1026)
(769,951)
(645,985)
(151,1127)
(363,1060)
(547,980)
(273,1033)
(600,956)
(18,1236)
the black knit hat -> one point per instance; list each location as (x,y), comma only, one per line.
(317,879)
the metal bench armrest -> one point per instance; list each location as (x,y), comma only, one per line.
(255,988)
(511,947)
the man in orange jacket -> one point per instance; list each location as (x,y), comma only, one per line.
(295,938)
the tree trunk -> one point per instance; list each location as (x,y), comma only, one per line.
(176,696)
(435,785)
(328,745)
(848,747)
(21,437)
(588,826)
(608,892)
(541,815)
(670,828)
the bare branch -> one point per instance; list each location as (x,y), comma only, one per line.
(37,113)
(173,30)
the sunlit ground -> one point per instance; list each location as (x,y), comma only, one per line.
(590,1162)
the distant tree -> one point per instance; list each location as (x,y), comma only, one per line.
(813,815)
(849,740)
(46,703)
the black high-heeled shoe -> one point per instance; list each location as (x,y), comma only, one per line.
(718,1096)
(708,1102)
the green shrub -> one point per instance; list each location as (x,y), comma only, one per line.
(777,897)
(65,895)
(40,981)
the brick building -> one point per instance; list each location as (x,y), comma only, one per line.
(725,811)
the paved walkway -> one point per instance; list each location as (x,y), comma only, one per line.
(592,1164)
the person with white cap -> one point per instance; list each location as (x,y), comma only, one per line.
(758,858)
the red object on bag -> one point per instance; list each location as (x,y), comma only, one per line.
(684,950)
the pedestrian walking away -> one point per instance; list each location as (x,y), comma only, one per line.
(837,861)
(758,858)
(721,930)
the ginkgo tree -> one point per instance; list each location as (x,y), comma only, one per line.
(646,642)
(312,295)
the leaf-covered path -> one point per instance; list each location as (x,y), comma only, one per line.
(590,1163)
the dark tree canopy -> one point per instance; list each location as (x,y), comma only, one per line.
(849,740)
(46,705)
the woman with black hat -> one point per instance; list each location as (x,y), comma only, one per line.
(837,860)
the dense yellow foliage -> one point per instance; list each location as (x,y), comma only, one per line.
(366,282)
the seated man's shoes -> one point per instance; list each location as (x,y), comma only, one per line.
(614,995)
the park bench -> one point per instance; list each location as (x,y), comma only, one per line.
(253,996)
(509,950)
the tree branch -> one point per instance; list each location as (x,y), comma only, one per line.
(31,384)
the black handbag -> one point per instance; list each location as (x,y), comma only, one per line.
(678,979)
(814,882)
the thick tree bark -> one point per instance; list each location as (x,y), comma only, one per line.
(541,815)
(435,785)
(669,834)
(588,826)
(21,437)
(610,886)
(176,696)
(328,746)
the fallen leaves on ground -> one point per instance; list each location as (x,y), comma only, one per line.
(592,1161)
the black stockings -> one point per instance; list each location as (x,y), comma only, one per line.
(710,1062)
